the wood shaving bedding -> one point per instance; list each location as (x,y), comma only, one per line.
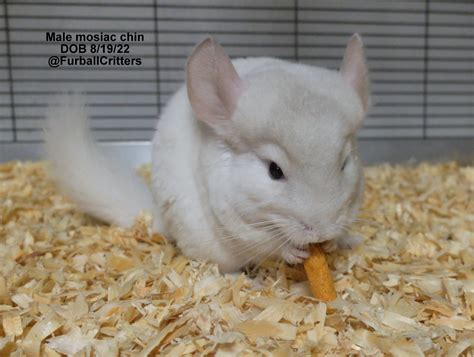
(70,285)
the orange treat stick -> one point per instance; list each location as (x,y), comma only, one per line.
(318,273)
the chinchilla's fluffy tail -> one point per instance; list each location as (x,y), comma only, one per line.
(93,181)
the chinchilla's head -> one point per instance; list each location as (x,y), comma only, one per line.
(285,153)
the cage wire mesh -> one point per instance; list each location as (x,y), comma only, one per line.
(420,53)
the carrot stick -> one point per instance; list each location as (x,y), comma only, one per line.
(318,273)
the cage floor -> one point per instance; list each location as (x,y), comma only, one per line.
(70,285)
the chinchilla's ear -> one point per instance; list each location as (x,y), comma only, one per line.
(354,69)
(212,83)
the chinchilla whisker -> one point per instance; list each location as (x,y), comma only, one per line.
(239,236)
(249,233)
(244,225)
(251,248)
(259,244)
(263,223)
(285,241)
(267,238)
(270,254)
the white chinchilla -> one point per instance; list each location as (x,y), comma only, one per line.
(252,158)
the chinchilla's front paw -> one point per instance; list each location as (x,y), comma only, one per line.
(329,245)
(293,254)
(348,241)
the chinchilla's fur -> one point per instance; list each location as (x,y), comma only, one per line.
(214,185)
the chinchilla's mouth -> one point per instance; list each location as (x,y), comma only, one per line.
(311,235)
(294,231)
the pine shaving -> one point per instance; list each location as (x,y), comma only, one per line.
(70,285)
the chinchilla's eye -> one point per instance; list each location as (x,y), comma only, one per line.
(344,163)
(275,171)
